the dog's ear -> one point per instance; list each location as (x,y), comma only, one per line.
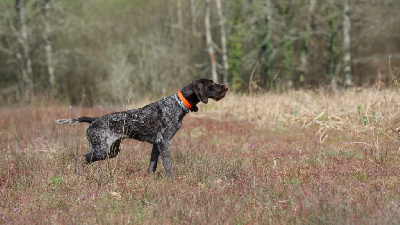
(200,91)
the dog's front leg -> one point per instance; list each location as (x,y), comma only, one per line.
(166,158)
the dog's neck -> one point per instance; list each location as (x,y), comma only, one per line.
(184,103)
(183,100)
(191,97)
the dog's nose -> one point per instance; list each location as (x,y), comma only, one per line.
(225,87)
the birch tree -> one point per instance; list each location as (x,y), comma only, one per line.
(346,23)
(25,58)
(223,43)
(48,44)
(210,48)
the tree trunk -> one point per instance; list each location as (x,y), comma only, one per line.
(310,22)
(193,10)
(223,43)
(268,56)
(48,47)
(332,61)
(209,42)
(179,9)
(305,53)
(346,44)
(333,52)
(26,62)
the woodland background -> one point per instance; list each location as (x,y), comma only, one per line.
(115,52)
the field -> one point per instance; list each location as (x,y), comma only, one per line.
(296,158)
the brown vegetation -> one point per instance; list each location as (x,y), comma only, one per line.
(301,157)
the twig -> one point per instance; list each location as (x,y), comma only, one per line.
(315,119)
(321,140)
(394,139)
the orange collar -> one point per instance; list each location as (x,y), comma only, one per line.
(183,99)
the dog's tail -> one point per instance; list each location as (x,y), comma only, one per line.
(76,120)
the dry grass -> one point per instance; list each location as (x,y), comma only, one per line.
(301,157)
(344,110)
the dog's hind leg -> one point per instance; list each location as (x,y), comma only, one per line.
(155,153)
(98,152)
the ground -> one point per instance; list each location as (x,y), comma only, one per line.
(249,166)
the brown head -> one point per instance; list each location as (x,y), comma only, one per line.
(203,89)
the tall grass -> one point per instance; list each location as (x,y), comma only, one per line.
(344,110)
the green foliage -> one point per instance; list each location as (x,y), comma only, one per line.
(323,117)
(58,180)
(296,112)
(362,177)
(235,59)
(293,181)
(363,117)
(264,41)
(235,51)
(288,51)
(283,6)
(333,23)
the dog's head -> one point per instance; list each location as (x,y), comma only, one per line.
(203,89)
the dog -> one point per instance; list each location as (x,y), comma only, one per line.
(156,123)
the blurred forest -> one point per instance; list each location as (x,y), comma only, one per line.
(115,52)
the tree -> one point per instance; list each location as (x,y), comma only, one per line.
(223,43)
(346,23)
(210,42)
(333,43)
(268,51)
(25,60)
(152,47)
(235,50)
(193,16)
(287,45)
(48,45)
(305,52)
